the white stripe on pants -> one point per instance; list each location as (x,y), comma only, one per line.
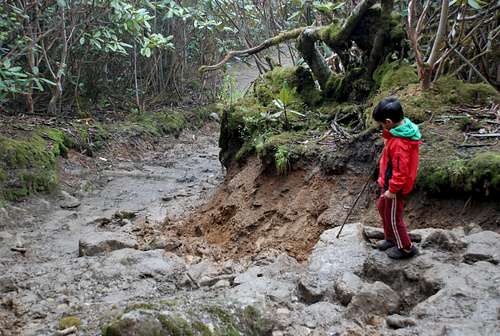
(393,222)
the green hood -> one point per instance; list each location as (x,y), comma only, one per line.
(407,130)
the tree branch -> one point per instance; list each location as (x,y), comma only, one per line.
(280,38)
(443,21)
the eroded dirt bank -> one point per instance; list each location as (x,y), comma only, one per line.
(255,210)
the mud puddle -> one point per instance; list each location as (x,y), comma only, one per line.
(117,195)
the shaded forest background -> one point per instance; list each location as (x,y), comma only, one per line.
(78,57)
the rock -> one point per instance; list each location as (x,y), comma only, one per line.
(7,284)
(222,284)
(330,259)
(167,198)
(96,243)
(4,235)
(68,201)
(166,268)
(203,270)
(262,289)
(309,291)
(136,322)
(397,321)
(443,240)
(373,299)
(321,314)
(346,287)
(371,232)
(483,246)
(472,228)
(468,300)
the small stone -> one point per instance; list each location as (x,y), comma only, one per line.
(100,242)
(68,201)
(397,321)
(222,284)
(7,284)
(167,198)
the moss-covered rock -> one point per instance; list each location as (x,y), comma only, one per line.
(28,165)
(212,320)
(69,321)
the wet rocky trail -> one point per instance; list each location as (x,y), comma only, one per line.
(117,200)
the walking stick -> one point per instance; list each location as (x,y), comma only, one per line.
(358,197)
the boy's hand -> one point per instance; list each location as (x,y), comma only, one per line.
(389,195)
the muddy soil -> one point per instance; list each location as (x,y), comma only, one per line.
(147,182)
(255,211)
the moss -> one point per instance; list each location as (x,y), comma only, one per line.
(446,93)
(68,322)
(334,89)
(455,91)
(176,326)
(330,32)
(129,327)
(484,174)
(28,166)
(480,175)
(202,328)
(393,75)
(298,78)
(135,306)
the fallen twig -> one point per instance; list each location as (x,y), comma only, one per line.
(485,135)
(19,249)
(476,145)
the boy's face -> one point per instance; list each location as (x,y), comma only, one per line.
(387,124)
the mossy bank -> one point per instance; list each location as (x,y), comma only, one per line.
(29,155)
(309,123)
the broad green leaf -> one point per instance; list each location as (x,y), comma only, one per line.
(474,4)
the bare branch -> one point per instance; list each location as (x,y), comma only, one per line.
(278,39)
(443,21)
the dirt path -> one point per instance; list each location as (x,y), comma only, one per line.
(50,280)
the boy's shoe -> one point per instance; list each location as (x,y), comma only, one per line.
(397,253)
(385,244)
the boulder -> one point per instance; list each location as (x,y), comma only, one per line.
(483,246)
(136,322)
(346,287)
(96,243)
(443,240)
(376,299)
(331,258)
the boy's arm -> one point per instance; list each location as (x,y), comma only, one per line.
(400,157)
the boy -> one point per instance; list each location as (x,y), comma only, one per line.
(397,173)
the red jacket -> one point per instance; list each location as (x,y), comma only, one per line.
(399,164)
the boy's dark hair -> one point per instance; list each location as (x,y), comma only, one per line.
(388,108)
